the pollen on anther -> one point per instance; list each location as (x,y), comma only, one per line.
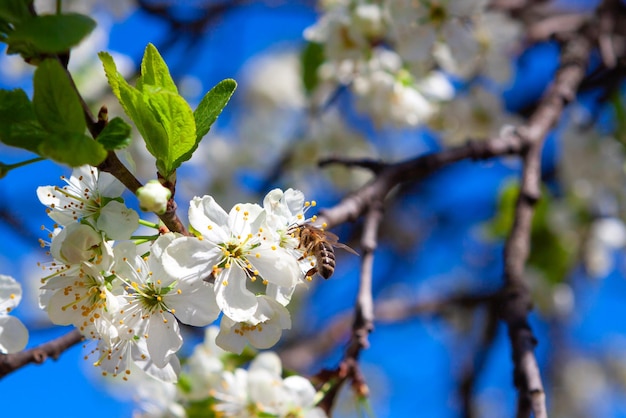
(179,291)
(225,282)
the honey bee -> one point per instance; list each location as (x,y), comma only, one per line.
(318,243)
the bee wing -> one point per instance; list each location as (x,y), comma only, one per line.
(345,247)
(333,240)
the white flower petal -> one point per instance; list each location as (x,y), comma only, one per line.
(188,256)
(167,373)
(10,294)
(208,218)
(196,304)
(117,221)
(164,338)
(277,266)
(13,335)
(232,296)
(228,340)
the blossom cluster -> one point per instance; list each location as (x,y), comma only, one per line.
(394,54)
(211,386)
(244,264)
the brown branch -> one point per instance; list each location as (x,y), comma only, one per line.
(363,322)
(472,371)
(51,349)
(355,204)
(515,302)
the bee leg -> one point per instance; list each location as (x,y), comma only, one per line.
(310,273)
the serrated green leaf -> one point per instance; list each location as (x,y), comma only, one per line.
(73,149)
(311,58)
(18,124)
(132,101)
(50,34)
(14,11)
(155,74)
(212,105)
(162,116)
(110,69)
(56,103)
(115,135)
(174,114)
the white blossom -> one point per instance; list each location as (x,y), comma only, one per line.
(154,299)
(91,196)
(262,331)
(234,251)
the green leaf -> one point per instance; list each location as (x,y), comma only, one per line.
(212,105)
(14,11)
(311,58)
(162,116)
(115,135)
(50,34)
(73,149)
(132,100)
(154,72)
(18,124)
(175,116)
(113,76)
(56,103)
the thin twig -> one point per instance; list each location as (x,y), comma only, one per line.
(51,349)
(363,322)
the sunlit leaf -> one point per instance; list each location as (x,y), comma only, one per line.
(212,105)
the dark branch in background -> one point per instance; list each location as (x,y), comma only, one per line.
(471,372)
(391,175)
(363,316)
(516,302)
(51,349)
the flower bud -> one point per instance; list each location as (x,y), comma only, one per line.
(153,197)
